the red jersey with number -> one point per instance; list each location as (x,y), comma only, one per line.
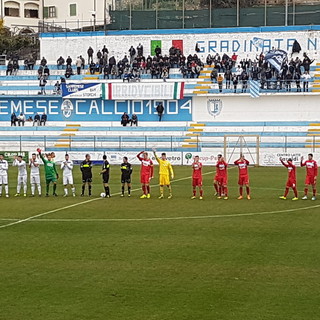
(146,166)
(197,170)
(243,167)
(312,168)
(221,169)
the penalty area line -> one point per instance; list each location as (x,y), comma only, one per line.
(19,221)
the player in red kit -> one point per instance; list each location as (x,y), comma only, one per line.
(220,181)
(311,177)
(197,178)
(243,180)
(292,179)
(146,173)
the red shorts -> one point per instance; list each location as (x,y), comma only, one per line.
(221,180)
(291,184)
(145,178)
(243,180)
(197,182)
(309,180)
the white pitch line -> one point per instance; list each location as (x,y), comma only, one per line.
(15,222)
(179,218)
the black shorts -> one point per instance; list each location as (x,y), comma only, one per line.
(125,180)
(105,178)
(86,179)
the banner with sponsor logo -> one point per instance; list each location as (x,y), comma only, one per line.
(9,155)
(140,91)
(81,90)
(271,159)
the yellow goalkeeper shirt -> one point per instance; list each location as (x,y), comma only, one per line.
(165,167)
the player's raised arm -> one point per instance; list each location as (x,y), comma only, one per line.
(155,155)
(283,163)
(151,169)
(315,171)
(302,164)
(139,155)
(171,171)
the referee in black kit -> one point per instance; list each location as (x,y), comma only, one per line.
(105,171)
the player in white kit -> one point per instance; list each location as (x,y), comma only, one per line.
(4,175)
(67,167)
(22,175)
(34,166)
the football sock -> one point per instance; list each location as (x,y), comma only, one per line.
(107,189)
(220,191)
(73,190)
(216,187)
(1,189)
(89,190)
(66,191)
(161,190)
(47,188)
(54,188)
(306,191)
(32,188)
(201,192)
(83,188)
(295,192)
(6,188)
(240,191)
(122,189)
(248,190)
(286,192)
(225,191)
(18,188)
(25,187)
(148,189)
(314,192)
(194,192)
(39,189)
(129,190)
(144,189)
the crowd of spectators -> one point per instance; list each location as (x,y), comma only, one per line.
(21,119)
(125,120)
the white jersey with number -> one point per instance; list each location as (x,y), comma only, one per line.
(67,167)
(4,172)
(22,167)
(34,171)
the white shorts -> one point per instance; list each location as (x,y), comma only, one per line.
(35,179)
(67,180)
(22,179)
(4,179)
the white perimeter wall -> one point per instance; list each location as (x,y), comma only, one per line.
(266,108)
(241,43)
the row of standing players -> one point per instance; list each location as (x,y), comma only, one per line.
(165,173)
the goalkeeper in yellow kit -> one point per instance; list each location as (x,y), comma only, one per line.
(165,171)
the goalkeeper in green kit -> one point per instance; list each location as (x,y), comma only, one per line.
(50,172)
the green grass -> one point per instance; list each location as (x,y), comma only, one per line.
(220,268)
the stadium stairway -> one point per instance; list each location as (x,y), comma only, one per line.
(315,86)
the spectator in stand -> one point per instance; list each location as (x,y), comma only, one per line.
(36,120)
(235,82)
(220,82)
(14,119)
(125,119)
(60,63)
(165,74)
(140,50)
(228,77)
(157,51)
(31,63)
(40,72)
(78,65)
(69,62)
(305,79)
(9,68)
(160,110)
(21,119)
(297,78)
(90,55)
(69,72)
(288,80)
(306,63)
(106,72)
(244,80)
(238,72)
(57,88)
(46,72)
(15,66)
(134,120)
(44,119)
(132,53)
(214,75)
(83,62)
(99,55)
(209,60)
(43,61)
(92,67)
(234,59)
(42,84)
(105,52)
(26,65)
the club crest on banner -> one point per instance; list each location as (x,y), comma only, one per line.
(214,107)
(67,108)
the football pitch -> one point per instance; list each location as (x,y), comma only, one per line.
(171,259)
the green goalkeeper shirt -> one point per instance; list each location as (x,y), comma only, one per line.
(49,168)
